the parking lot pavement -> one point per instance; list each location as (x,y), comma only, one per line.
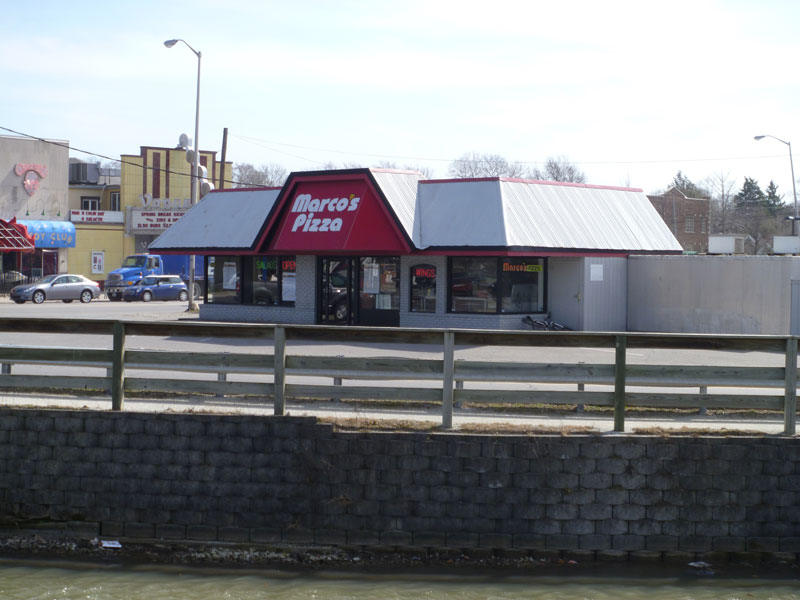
(100,308)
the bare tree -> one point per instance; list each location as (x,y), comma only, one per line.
(722,190)
(427,173)
(269,175)
(558,169)
(472,165)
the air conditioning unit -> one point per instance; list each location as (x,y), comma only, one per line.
(725,244)
(786,244)
(81,172)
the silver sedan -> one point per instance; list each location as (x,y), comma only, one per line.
(64,287)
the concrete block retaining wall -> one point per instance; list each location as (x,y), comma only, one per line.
(292,480)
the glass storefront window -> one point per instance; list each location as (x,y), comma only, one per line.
(39,263)
(288,279)
(473,283)
(224,278)
(379,283)
(272,280)
(521,289)
(423,288)
(496,285)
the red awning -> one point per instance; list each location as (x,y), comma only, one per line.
(14,237)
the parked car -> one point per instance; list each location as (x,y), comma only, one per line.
(64,287)
(157,287)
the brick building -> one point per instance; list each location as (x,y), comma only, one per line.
(687,218)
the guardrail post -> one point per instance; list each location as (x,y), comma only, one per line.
(619,384)
(279,370)
(790,396)
(448,370)
(118,367)
(222,377)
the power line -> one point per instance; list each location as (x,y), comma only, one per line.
(254,140)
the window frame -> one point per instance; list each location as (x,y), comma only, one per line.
(249,266)
(498,284)
(238,296)
(411,296)
(90,203)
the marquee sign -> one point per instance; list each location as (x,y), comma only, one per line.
(339,215)
(153,221)
(97,216)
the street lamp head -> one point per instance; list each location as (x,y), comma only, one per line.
(170,43)
(758,137)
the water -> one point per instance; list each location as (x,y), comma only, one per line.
(59,581)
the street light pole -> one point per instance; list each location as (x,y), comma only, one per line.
(195,165)
(794,187)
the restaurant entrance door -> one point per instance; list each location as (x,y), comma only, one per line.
(361,290)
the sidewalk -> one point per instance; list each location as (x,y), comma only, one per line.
(585,422)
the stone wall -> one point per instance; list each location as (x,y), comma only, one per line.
(292,480)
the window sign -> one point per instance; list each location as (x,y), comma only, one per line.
(229,276)
(423,288)
(596,273)
(98,263)
(371,277)
(223,280)
(272,281)
(288,278)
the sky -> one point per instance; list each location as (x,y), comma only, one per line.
(629,92)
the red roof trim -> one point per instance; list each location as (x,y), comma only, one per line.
(534,181)
(15,237)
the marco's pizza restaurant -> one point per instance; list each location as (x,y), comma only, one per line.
(389,248)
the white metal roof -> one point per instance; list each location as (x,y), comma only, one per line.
(534,214)
(222,219)
(400,189)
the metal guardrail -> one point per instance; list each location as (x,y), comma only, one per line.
(121,363)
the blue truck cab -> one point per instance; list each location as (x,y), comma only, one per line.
(136,266)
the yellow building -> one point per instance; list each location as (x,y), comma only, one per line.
(95,211)
(118,217)
(156,191)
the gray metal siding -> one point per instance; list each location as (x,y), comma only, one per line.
(711,294)
(605,306)
(565,294)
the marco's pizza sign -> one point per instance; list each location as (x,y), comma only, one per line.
(321,215)
(336,216)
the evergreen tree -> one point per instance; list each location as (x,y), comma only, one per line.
(687,187)
(773,200)
(751,195)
